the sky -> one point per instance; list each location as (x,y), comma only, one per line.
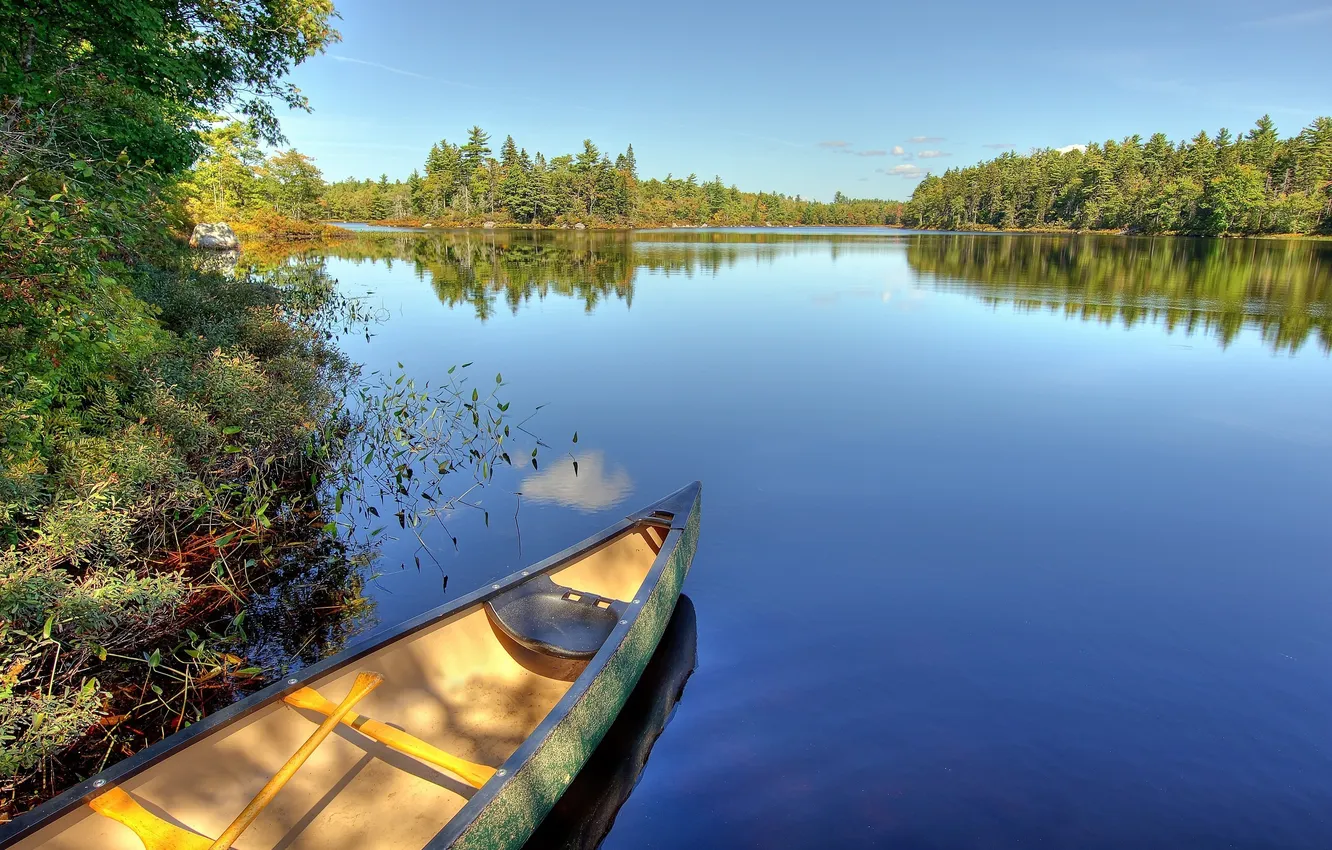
(806,99)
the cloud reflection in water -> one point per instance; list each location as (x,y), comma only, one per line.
(592,488)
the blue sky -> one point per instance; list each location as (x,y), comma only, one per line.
(862,97)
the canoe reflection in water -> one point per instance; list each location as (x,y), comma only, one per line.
(585,814)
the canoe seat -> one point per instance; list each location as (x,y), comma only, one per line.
(554,620)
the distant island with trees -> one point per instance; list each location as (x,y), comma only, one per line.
(1256,183)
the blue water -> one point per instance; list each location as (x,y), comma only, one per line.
(972,573)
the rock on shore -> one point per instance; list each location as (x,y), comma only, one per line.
(217,237)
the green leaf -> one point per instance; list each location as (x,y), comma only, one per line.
(46,628)
(231,429)
(154,659)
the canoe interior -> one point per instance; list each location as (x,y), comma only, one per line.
(452,683)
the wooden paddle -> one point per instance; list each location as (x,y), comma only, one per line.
(364,684)
(473,774)
(155,833)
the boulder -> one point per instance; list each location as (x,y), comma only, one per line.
(580,226)
(488,225)
(215,237)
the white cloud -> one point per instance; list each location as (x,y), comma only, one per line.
(923,140)
(898,150)
(592,487)
(904,171)
(932,154)
(1071,148)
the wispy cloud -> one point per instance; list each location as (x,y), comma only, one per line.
(871,153)
(403,72)
(835,143)
(898,150)
(787,142)
(372,146)
(1306,16)
(999,146)
(903,171)
(1071,148)
(932,154)
(381,67)
(925,140)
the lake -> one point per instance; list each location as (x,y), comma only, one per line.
(1007,540)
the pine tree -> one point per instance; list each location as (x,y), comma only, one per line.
(475,151)
(416,193)
(586,166)
(1261,146)
(516,191)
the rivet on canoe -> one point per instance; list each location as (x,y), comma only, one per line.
(638,602)
(526,573)
(623,622)
(494,587)
(99,783)
(501,772)
(291,681)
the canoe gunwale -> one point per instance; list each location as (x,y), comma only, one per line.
(678,505)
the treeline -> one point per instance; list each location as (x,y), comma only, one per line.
(1210,185)
(468,184)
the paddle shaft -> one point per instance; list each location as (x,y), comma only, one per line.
(474,774)
(364,684)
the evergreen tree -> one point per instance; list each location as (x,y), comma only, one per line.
(508,152)
(475,151)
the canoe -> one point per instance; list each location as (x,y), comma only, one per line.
(460,728)
(583,817)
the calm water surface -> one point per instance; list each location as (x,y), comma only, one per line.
(1008,541)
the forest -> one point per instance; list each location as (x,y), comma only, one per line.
(1210,185)
(468,184)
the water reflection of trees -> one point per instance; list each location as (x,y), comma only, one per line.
(478,268)
(1281,288)
(1219,287)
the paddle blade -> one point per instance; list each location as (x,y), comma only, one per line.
(155,833)
(310,699)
